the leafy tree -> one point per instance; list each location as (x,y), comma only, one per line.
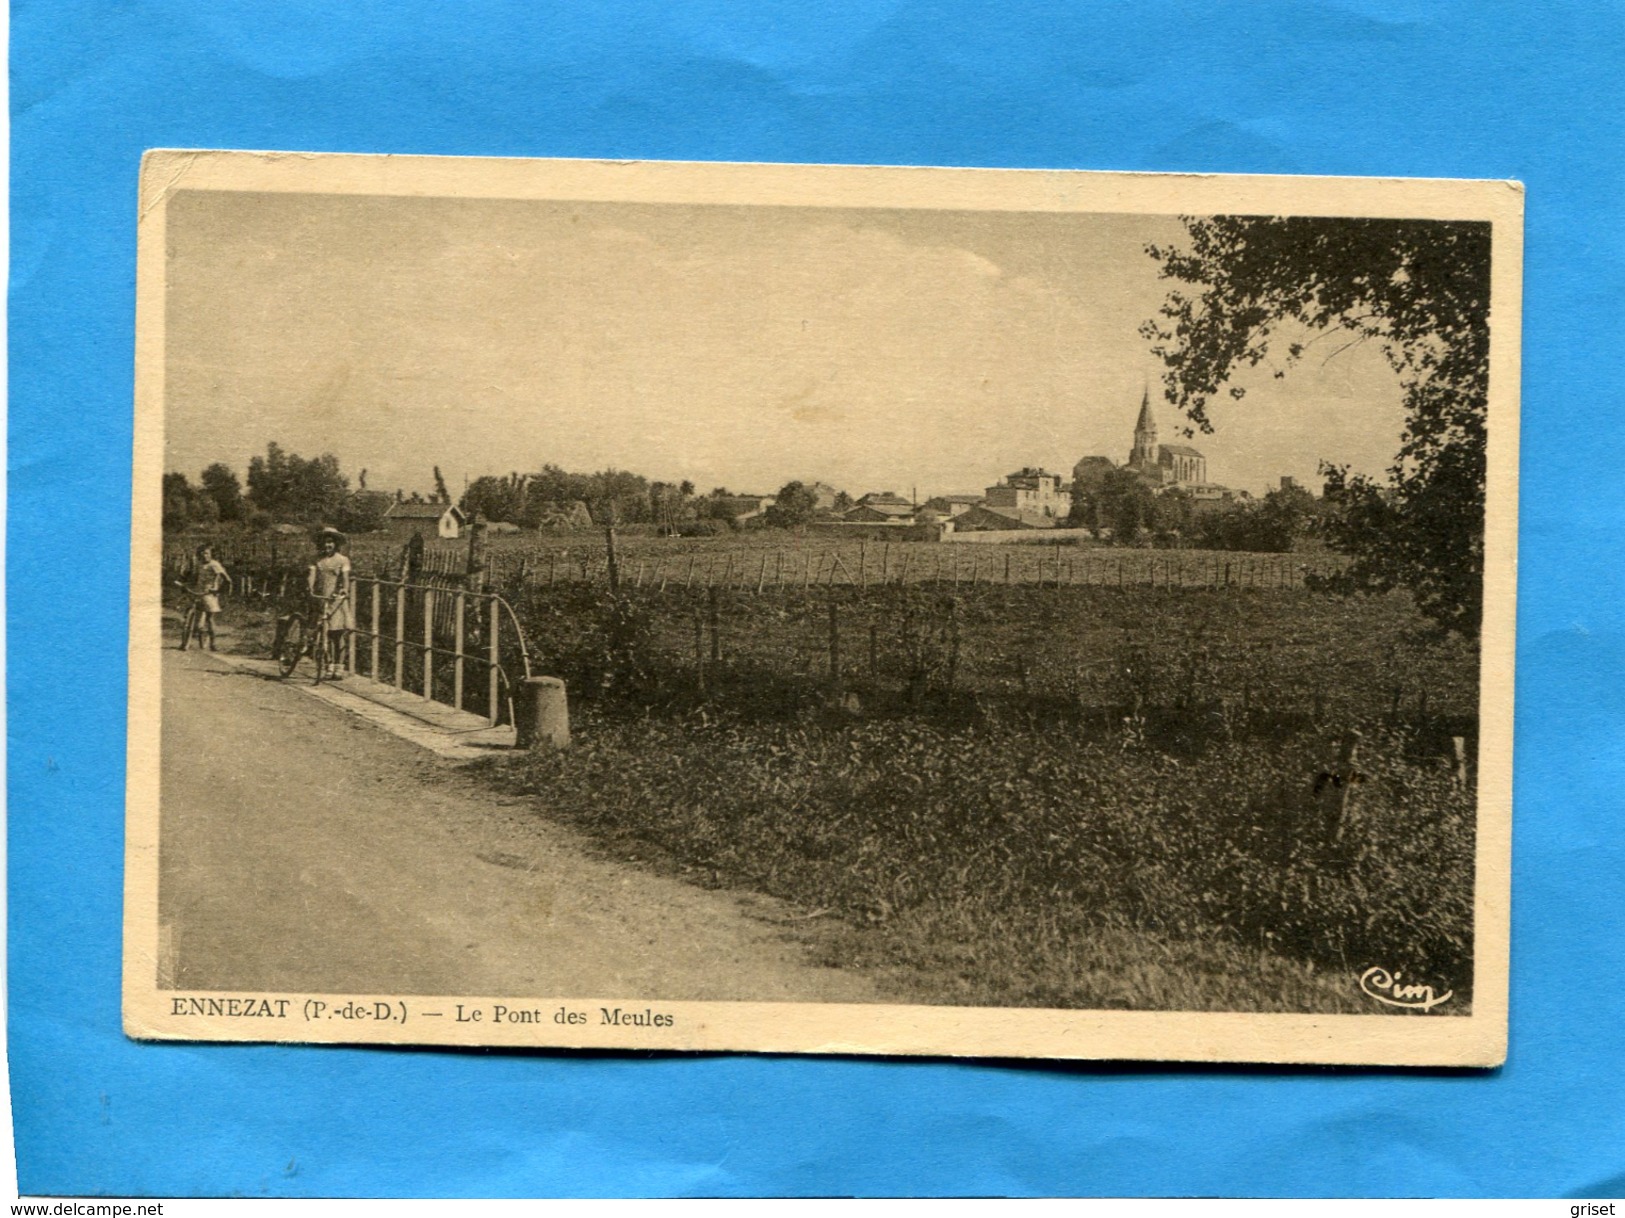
(668,504)
(287,487)
(1272,525)
(441,494)
(794,506)
(186,505)
(725,510)
(843,501)
(1419,288)
(1122,503)
(221,485)
(363,511)
(495,498)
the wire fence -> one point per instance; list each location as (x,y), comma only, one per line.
(1089,635)
(757,565)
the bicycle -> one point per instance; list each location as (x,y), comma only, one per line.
(192,623)
(304,635)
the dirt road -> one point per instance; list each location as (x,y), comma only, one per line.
(303,850)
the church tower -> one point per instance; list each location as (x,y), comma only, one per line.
(1144,453)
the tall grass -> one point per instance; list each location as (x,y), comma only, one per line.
(1013,852)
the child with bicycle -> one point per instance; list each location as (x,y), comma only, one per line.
(328,582)
(209,579)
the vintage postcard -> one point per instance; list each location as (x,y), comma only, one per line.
(822,609)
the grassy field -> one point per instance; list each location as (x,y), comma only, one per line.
(1001,866)
(1096,796)
(1078,794)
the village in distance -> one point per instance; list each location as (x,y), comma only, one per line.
(1160,496)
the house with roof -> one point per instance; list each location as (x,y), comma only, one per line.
(824,495)
(877,507)
(950,506)
(1030,489)
(408,517)
(986,518)
(744,507)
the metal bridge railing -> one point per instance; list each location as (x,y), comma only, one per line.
(449,645)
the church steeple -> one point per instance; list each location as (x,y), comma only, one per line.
(1145,434)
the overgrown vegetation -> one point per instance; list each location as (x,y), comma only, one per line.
(1017,854)
(1152,829)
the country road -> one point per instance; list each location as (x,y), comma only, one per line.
(304,850)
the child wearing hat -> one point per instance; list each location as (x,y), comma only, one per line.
(328,579)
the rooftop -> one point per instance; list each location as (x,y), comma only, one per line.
(407,510)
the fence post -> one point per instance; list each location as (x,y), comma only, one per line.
(547,725)
(953,644)
(712,598)
(494,663)
(1337,791)
(613,559)
(457,663)
(778,568)
(863,562)
(885,563)
(377,588)
(761,576)
(874,651)
(699,650)
(400,636)
(1007,566)
(834,648)
(428,645)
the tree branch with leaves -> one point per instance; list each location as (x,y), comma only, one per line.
(1420,289)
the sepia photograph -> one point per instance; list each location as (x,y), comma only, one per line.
(1007,613)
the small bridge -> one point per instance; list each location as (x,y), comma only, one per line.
(459,647)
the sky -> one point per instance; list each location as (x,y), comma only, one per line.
(907,350)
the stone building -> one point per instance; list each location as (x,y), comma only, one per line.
(1030,490)
(1162,466)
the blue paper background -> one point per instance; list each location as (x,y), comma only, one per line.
(1509,90)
